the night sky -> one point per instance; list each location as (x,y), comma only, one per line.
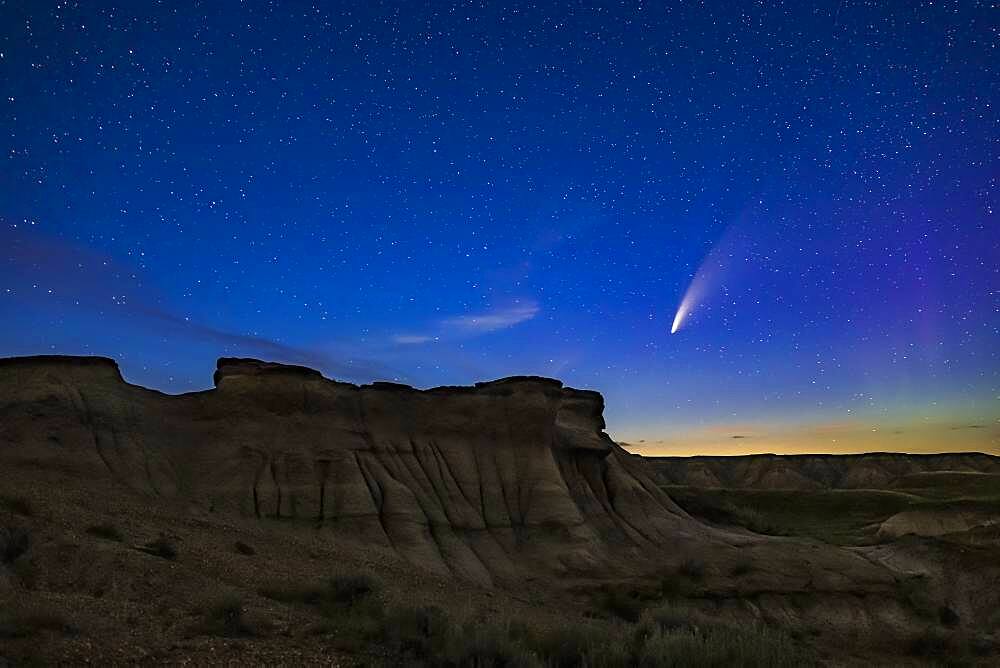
(442,194)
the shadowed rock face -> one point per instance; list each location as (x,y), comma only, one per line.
(496,480)
(802,472)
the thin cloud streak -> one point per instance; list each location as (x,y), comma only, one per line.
(474,324)
(493,320)
(73,277)
(412,339)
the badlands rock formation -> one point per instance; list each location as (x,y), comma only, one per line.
(877,470)
(482,482)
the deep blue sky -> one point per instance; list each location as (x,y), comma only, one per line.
(446,194)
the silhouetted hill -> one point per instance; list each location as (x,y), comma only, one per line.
(876,470)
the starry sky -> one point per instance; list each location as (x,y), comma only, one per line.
(439,193)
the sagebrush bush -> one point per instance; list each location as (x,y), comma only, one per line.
(480,644)
(417,632)
(225,618)
(741,568)
(620,604)
(106,531)
(337,592)
(669,635)
(17,505)
(14,541)
(932,643)
(244,549)
(354,614)
(692,568)
(28,622)
(161,547)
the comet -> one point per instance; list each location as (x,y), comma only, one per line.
(682,311)
(713,268)
(692,296)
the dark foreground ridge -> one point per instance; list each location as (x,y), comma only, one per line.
(252,523)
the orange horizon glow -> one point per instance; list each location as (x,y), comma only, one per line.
(849,437)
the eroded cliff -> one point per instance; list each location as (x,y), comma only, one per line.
(482,482)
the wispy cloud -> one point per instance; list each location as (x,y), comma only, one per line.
(492,320)
(56,274)
(473,324)
(412,339)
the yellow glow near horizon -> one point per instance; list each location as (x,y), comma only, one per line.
(828,438)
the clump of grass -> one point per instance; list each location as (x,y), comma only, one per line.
(27,571)
(741,568)
(669,618)
(161,547)
(355,619)
(692,569)
(569,646)
(618,604)
(14,541)
(948,617)
(354,615)
(337,592)
(673,636)
(490,644)
(224,618)
(349,589)
(107,531)
(29,622)
(932,643)
(17,505)
(243,548)
(416,633)
(915,593)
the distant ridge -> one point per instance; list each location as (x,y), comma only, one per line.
(814,471)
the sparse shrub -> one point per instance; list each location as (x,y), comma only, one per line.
(14,541)
(106,531)
(225,618)
(916,594)
(337,592)
(243,548)
(672,586)
(27,571)
(28,622)
(948,617)
(670,618)
(620,604)
(932,643)
(349,589)
(303,595)
(416,632)
(741,568)
(477,645)
(354,615)
(161,547)
(17,505)
(692,569)
(981,645)
(563,647)
(718,645)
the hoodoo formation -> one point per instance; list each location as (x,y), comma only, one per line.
(487,481)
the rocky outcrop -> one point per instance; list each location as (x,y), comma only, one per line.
(484,482)
(937,522)
(876,470)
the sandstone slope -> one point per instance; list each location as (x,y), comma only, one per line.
(497,480)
